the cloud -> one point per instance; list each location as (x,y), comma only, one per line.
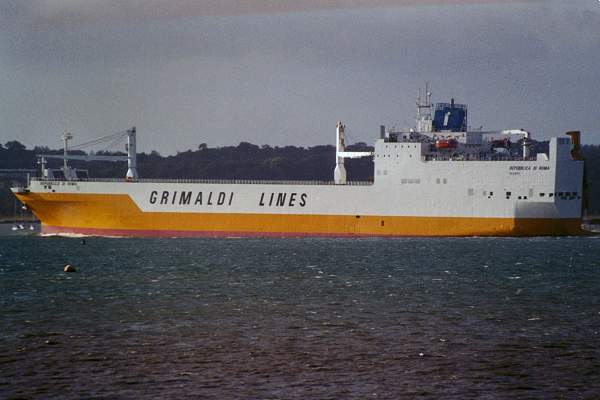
(75,11)
(266,75)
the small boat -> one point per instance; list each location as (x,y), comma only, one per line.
(446,144)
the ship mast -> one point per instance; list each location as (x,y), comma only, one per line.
(66,137)
(339,174)
(132,173)
(424,120)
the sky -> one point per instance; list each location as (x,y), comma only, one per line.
(283,72)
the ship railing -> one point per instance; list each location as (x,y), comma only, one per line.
(474,157)
(208,181)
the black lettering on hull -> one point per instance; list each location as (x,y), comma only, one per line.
(165,197)
(185,198)
(282,199)
(303,200)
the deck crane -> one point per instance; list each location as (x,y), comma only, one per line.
(71,173)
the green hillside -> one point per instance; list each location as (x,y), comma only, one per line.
(244,161)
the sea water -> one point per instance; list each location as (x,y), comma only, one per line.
(492,318)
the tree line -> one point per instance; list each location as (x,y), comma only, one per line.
(244,161)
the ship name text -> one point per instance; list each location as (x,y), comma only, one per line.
(528,168)
(282,199)
(516,169)
(188,198)
(210,198)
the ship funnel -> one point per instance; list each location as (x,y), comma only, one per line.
(132,173)
(576,145)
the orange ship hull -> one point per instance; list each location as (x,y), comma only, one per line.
(118,215)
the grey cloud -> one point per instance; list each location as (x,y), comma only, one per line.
(285,78)
(383,36)
(68,12)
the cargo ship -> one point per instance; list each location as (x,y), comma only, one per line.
(438,178)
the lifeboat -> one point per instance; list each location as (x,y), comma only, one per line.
(505,143)
(442,144)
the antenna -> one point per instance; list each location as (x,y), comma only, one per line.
(428,94)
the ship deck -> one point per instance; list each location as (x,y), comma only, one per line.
(210,181)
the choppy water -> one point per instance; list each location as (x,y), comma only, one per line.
(300,318)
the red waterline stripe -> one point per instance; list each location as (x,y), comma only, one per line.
(175,233)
